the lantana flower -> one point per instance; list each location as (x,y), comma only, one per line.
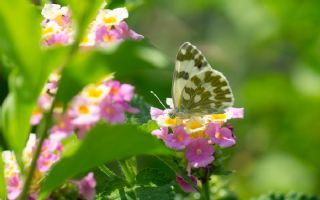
(196,136)
(108,27)
(199,153)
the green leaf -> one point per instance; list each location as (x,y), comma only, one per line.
(150,126)
(3,192)
(153,175)
(103,144)
(84,12)
(20,42)
(164,192)
(288,196)
(20,36)
(22,98)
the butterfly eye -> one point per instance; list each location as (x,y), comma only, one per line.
(172,115)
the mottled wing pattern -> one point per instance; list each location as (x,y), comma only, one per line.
(206,93)
(197,88)
(189,62)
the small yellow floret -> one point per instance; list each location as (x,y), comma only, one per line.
(218,117)
(47,30)
(59,20)
(83,109)
(170,121)
(110,20)
(94,92)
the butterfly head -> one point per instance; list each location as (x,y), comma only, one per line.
(172,114)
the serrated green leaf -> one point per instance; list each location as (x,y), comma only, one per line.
(288,196)
(153,175)
(164,192)
(103,144)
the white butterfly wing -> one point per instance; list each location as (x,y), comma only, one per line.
(189,62)
(197,88)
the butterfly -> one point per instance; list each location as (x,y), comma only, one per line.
(197,89)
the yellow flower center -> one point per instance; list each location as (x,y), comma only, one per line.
(47,30)
(218,117)
(85,39)
(170,121)
(198,134)
(193,124)
(59,20)
(109,20)
(83,109)
(94,92)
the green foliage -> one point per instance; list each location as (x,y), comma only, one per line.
(152,175)
(144,111)
(29,67)
(3,190)
(150,126)
(68,191)
(99,63)
(83,12)
(122,141)
(289,196)
(164,192)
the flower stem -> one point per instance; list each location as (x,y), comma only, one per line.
(206,191)
(42,133)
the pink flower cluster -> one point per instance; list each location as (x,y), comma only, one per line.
(107,100)
(50,153)
(195,136)
(108,27)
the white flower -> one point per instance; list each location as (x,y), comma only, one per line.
(112,17)
(52,11)
(95,93)
(28,150)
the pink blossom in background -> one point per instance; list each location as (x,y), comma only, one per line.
(126,91)
(87,187)
(36,116)
(14,187)
(58,38)
(178,140)
(199,153)
(82,130)
(112,112)
(235,113)
(184,185)
(126,32)
(103,34)
(221,136)
(83,113)
(155,113)
(161,133)
(62,129)
(50,153)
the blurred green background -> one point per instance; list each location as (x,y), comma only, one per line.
(270,52)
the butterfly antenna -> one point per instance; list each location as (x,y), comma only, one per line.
(154,94)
